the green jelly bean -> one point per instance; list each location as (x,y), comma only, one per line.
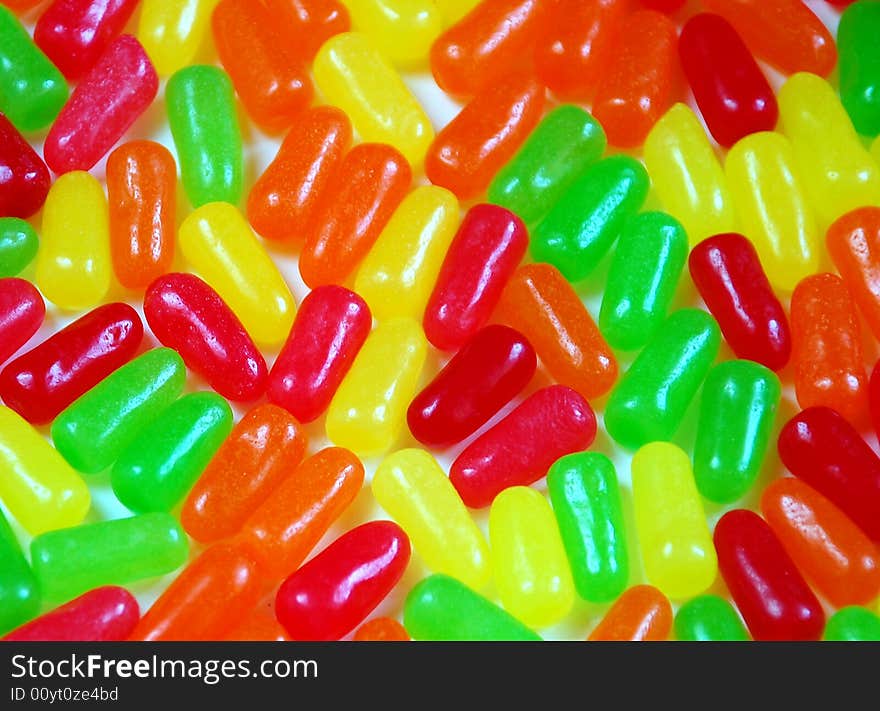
(853,624)
(858,46)
(442,609)
(583,224)
(70,561)
(566,142)
(18,246)
(32,89)
(19,591)
(645,269)
(738,407)
(163,462)
(95,429)
(651,398)
(709,618)
(201,113)
(586,500)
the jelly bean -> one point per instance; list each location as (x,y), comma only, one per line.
(32,90)
(164,460)
(70,561)
(852,624)
(669,6)
(729,277)
(289,523)
(43,381)
(519,449)
(709,618)
(638,86)
(860,65)
(106,614)
(19,589)
(583,224)
(398,273)
(21,6)
(768,589)
(416,493)
(784,33)
(530,568)
(486,250)
(853,242)
(24,178)
(586,501)
(356,205)
(651,398)
(260,625)
(142,193)
(335,591)
(480,379)
(641,614)
(381,629)
(309,23)
(442,609)
(674,537)
(544,307)
(455,10)
(263,447)
(219,244)
(406,28)
(74,33)
(93,431)
(737,412)
(368,411)
(874,397)
(272,85)
(772,207)
(204,126)
(875,150)
(187,315)
(73,264)
(21,314)
(18,246)
(485,135)
(644,274)
(284,199)
(354,75)
(172,31)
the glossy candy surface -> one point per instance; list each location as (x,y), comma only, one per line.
(24,178)
(172,31)
(641,614)
(852,624)
(21,314)
(309,23)
(853,242)
(260,625)
(406,28)
(19,589)
(381,629)
(709,618)
(860,65)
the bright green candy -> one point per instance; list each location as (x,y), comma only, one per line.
(32,89)
(709,618)
(441,609)
(858,46)
(738,407)
(650,400)
(71,561)
(853,624)
(586,500)
(586,220)
(18,245)
(163,462)
(201,113)
(95,429)
(19,592)
(647,264)
(566,142)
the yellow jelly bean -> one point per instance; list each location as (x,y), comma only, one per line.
(172,31)
(405,28)
(218,242)
(773,210)
(38,487)
(416,493)
(368,411)
(73,264)
(875,149)
(454,10)
(688,176)
(353,75)
(398,274)
(674,538)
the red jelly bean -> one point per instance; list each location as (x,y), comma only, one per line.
(335,591)
(664,5)
(728,274)
(519,450)
(771,594)
(330,327)
(189,316)
(485,251)
(874,397)
(42,382)
(104,104)
(24,178)
(486,374)
(22,311)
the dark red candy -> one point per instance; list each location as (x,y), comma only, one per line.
(22,311)
(24,177)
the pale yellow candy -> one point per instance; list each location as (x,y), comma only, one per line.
(368,411)
(416,493)
(687,175)
(531,571)
(398,274)
(73,264)
(773,208)
(406,29)
(875,149)
(172,31)
(218,242)
(674,539)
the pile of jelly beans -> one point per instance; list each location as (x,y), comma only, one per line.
(591,361)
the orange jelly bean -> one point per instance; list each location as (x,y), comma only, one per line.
(308,23)
(641,614)
(260,625)
(381,629)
